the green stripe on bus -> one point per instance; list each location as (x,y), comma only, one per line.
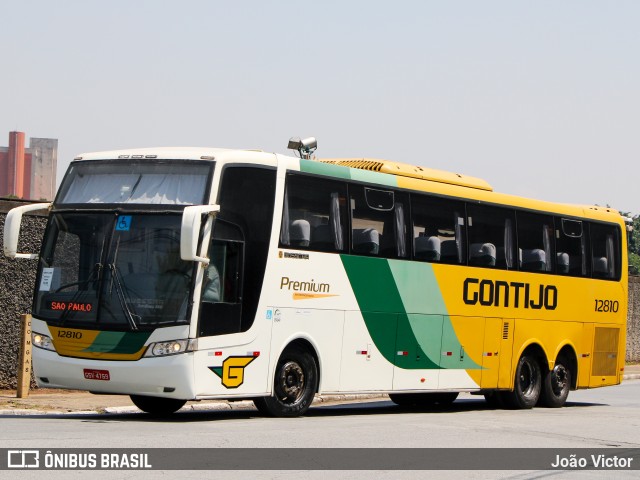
(418,287)
(319,168)
(346,173)
(373,284)
(384,313)
(457,360)
(404,296)
(118,342)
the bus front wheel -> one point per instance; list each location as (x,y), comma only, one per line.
(527,384)
(156,405)
(556,385)
(295,385)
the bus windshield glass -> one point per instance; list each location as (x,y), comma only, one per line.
(118,182)
(113,271)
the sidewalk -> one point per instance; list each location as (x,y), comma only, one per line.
(51,401)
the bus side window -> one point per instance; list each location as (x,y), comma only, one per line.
(313,214)
(491,233)
(378,222)
(535,242)
(605,251)
(571,247)
(438,229)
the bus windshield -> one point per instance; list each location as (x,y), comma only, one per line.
(118,182)
(113,271)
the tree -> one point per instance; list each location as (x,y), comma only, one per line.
(633,239)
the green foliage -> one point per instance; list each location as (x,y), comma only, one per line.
(634,264)
(633,238)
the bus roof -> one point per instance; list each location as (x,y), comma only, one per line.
(407,176)
(167,153)
(413,171)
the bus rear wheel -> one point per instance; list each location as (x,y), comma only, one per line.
(156,405)
(295,385)
(423,399)
(556,384)
(527,384)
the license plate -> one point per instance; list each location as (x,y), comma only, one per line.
(92,374)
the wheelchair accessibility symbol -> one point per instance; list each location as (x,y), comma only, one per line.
(124,223)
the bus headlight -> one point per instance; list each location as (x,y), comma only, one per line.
(171,347)
(42,341)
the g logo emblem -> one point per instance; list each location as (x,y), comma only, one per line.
(232,371)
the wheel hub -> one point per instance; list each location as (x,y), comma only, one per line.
(559,378)
(292,381)
(527,382)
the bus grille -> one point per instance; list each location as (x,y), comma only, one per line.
(505,331)
(605,351)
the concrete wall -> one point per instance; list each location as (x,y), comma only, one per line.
(17,279)
(633,321)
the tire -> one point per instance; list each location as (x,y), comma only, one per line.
(556,384)
(527,384)
(423,399)
(157,406)
(294,386)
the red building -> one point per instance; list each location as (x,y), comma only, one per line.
(28,173)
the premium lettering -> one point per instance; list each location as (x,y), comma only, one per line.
(498,293)
(310,286)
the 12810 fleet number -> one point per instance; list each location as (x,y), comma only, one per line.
(607,306)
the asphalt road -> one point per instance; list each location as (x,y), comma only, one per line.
(606,417)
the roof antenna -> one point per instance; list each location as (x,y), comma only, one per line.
(304,147)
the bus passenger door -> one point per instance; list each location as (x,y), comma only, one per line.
(367,351)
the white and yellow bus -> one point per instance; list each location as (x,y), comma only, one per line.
(176,274)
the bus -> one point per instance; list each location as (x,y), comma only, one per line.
(178,274)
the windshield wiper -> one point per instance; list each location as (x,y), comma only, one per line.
(125,301)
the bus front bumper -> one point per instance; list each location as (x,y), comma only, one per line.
(170,376)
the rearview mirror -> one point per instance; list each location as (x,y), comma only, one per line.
(12,230)
(190,231)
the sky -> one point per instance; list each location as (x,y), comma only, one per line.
(540,99)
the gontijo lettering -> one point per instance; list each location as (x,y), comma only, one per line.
(498,293)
